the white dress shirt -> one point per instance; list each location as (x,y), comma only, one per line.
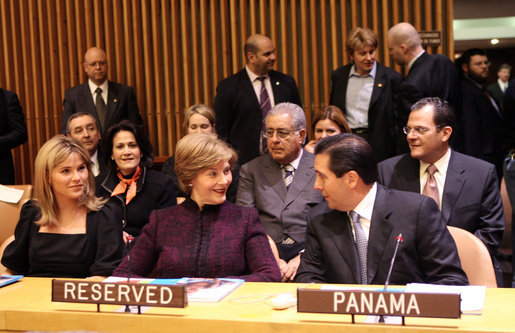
(364,210)
(358,95)
(93,87)
(256,84)
(95,168)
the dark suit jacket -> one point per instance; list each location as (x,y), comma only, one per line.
(121,104)
(470,200)
(238,115)
(480,131)
(262,186)
(509,114)
(382,119)
(497,94)
(431,75)
(428,253)
(13,132)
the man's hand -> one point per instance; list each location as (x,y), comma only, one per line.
(288,270)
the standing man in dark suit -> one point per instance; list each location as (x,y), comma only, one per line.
(243,100)
(280,184)
(83,127)
(109,102)
(467,190)
(497,89)
(365,90)
(13,132)
(352,237)
(481,129)
(429,75)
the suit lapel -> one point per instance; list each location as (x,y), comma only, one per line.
(277,86)
(248,89)
(341,235)
(406,175)
(379,83)
(274,177)
(86,96)
(454,181)
(417,62)
(380,231)
(112,102)
(301,179)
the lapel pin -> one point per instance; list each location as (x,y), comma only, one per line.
(277,83)
(379,85)
(115,100)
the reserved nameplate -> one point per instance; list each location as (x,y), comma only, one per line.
(379,303)
(119,293)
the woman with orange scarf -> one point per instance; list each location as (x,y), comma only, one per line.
(129,181)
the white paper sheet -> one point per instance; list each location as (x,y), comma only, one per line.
(10,195)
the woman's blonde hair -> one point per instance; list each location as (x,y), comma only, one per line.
(202,110)
(359,38)
(198,151)
(54,152)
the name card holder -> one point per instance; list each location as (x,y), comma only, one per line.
(379,303)
(94,292)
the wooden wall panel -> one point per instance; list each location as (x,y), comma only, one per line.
(174,52)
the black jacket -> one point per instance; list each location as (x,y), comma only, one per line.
(13,133)
(155,191)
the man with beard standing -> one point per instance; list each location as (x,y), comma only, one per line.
(480,131)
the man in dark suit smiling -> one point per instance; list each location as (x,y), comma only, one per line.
(352,238)
(243,100)
(466,187)
(109,102)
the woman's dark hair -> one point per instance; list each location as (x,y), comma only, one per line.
(144,145)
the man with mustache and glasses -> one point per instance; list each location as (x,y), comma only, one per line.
(280,184)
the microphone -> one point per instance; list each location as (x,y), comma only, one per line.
(398,240)
(130,239)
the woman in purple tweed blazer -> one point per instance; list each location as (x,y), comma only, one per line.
(206,236)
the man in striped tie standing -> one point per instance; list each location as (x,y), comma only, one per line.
(280,184)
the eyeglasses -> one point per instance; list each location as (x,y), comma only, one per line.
(418,130)
(282,133)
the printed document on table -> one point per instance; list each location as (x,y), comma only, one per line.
(472,297)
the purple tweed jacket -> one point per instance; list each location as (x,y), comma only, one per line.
(220,241)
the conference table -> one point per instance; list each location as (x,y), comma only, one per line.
(26,306)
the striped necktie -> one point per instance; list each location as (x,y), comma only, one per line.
(288,170)
(265,104)
(361,246)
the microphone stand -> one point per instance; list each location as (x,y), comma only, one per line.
(130,239)
(398,240)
